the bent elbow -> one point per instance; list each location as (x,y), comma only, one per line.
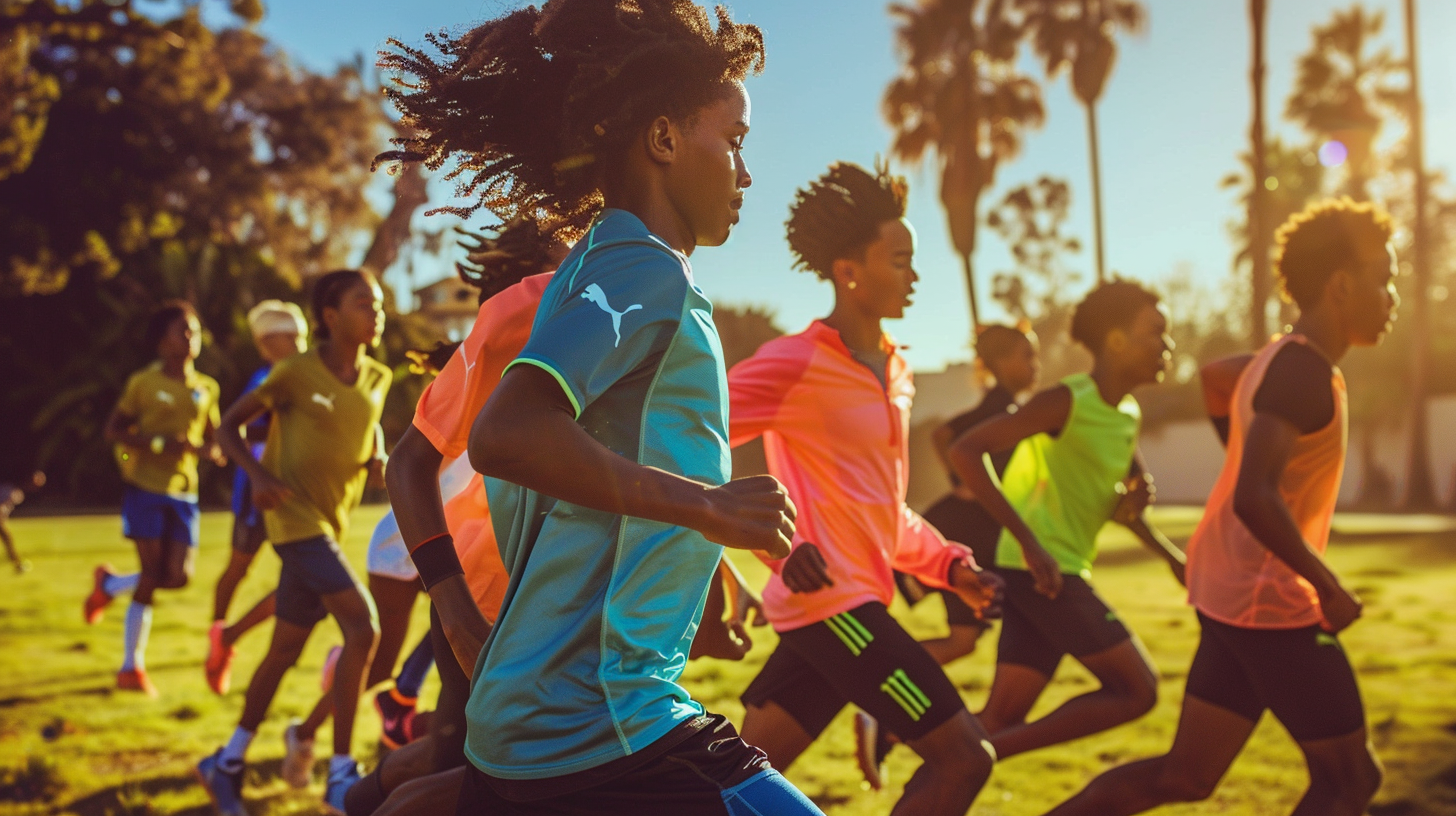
(1249,505)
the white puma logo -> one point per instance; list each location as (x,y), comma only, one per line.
(595,294)
(163,396)
(327,402)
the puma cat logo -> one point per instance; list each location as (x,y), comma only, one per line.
(595,294)
(327,402)
(163,396)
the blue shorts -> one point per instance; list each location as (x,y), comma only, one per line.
(147,515)
(312,568)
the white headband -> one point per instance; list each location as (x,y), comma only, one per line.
(276,316)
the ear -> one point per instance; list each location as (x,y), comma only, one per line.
(1116,340)
(662,140)
(845,271)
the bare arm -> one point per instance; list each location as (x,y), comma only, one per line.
(1131,512)
(1259,505)
(1219,379)
(942,438)
(1047,412)
(413,480)
(268,490)
(527,434)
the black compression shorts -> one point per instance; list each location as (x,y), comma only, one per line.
(1301,675)
(863,657)
(1036,630)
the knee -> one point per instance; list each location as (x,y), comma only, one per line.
(362,630)
(1368,775)
(1143,696)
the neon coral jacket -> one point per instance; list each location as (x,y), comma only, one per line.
(839,443)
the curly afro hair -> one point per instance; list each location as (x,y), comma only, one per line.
(1326,237)
(499,257)
(534,107)
(1113,305)
(839,214)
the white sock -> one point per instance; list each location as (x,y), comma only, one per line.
(232,753)
(117,584)
(340,764)
(138,626)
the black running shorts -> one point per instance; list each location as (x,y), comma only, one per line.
(1036,630)
(862,657)
(312,568)
(1301,675)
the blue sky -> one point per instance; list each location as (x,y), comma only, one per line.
(1174,116)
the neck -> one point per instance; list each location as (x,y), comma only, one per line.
(1324,332)
(1111,384)
(651,205)
(340,357)
(180,369)
(861,332)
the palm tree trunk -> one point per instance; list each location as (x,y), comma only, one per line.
(971,291)
(1419,492)
(1259,226)
(1096,190)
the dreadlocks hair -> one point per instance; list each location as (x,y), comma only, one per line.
(535,107)
(1328,236)
(328,293)
(501,256)
(839,215)
(162,318)
(1113,305)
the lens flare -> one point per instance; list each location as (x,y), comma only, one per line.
(1333,153)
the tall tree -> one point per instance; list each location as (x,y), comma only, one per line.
(1078,34)
(1261,227)
(1420,490)
(959,95)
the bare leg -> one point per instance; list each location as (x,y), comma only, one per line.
(178,564)
(395,600)
(1208,740)
(261,611)
(227,584)
(958,760)
(150,556)
(356,617)
(1343,776)
(960,642)
(431,794)
(771,729)
(1129,690)
(1014,691)
(287,644)
(9,541)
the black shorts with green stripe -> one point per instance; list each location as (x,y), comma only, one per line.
(862,657)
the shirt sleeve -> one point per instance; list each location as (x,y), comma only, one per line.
(130,402)
(615,315)
(924,553)
(273,390)
(1297,388)
(214,411)
(449,405)
(757,388)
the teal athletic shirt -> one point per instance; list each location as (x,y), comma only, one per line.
(601,609)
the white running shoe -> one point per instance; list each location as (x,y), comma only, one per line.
(297,757)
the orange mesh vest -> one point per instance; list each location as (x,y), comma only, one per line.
(1231,576)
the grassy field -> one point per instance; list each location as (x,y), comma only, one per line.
(70,744)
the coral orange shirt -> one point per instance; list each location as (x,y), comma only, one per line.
(838,440)
(446,411)
(1232,577)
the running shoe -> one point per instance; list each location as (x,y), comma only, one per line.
(95,607)
(219,665)
(397,715)
(331,662)
(338,787)
(297,757)
(135,680)
(866,749)
(225,788)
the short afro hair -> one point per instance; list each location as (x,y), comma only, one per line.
(839,214)
(162,318)
(1326,237)
(1112,305)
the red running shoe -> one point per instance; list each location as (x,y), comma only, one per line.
(95,607)
(219,665)
(135,680)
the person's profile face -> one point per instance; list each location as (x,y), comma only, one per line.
(1147,349)
(1373,299)
(182,340)
(1020,369)
(359,317)
(278,345)
(885,279)
(707,177)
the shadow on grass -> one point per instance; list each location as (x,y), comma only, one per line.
(134,798)
(10,698)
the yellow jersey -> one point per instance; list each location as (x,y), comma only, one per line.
(165,406)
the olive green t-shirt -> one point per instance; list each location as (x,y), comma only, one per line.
(168,407)
(319,443)
(1065,487)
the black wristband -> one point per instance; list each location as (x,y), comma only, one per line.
(436,560)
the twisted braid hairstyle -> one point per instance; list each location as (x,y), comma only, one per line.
(839,215)
(1323,239)
(536,108)
(499,257)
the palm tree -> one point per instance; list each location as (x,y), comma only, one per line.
(1261,227)
(1420,492)
(959,94)
(1343,90)
(1079,34)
